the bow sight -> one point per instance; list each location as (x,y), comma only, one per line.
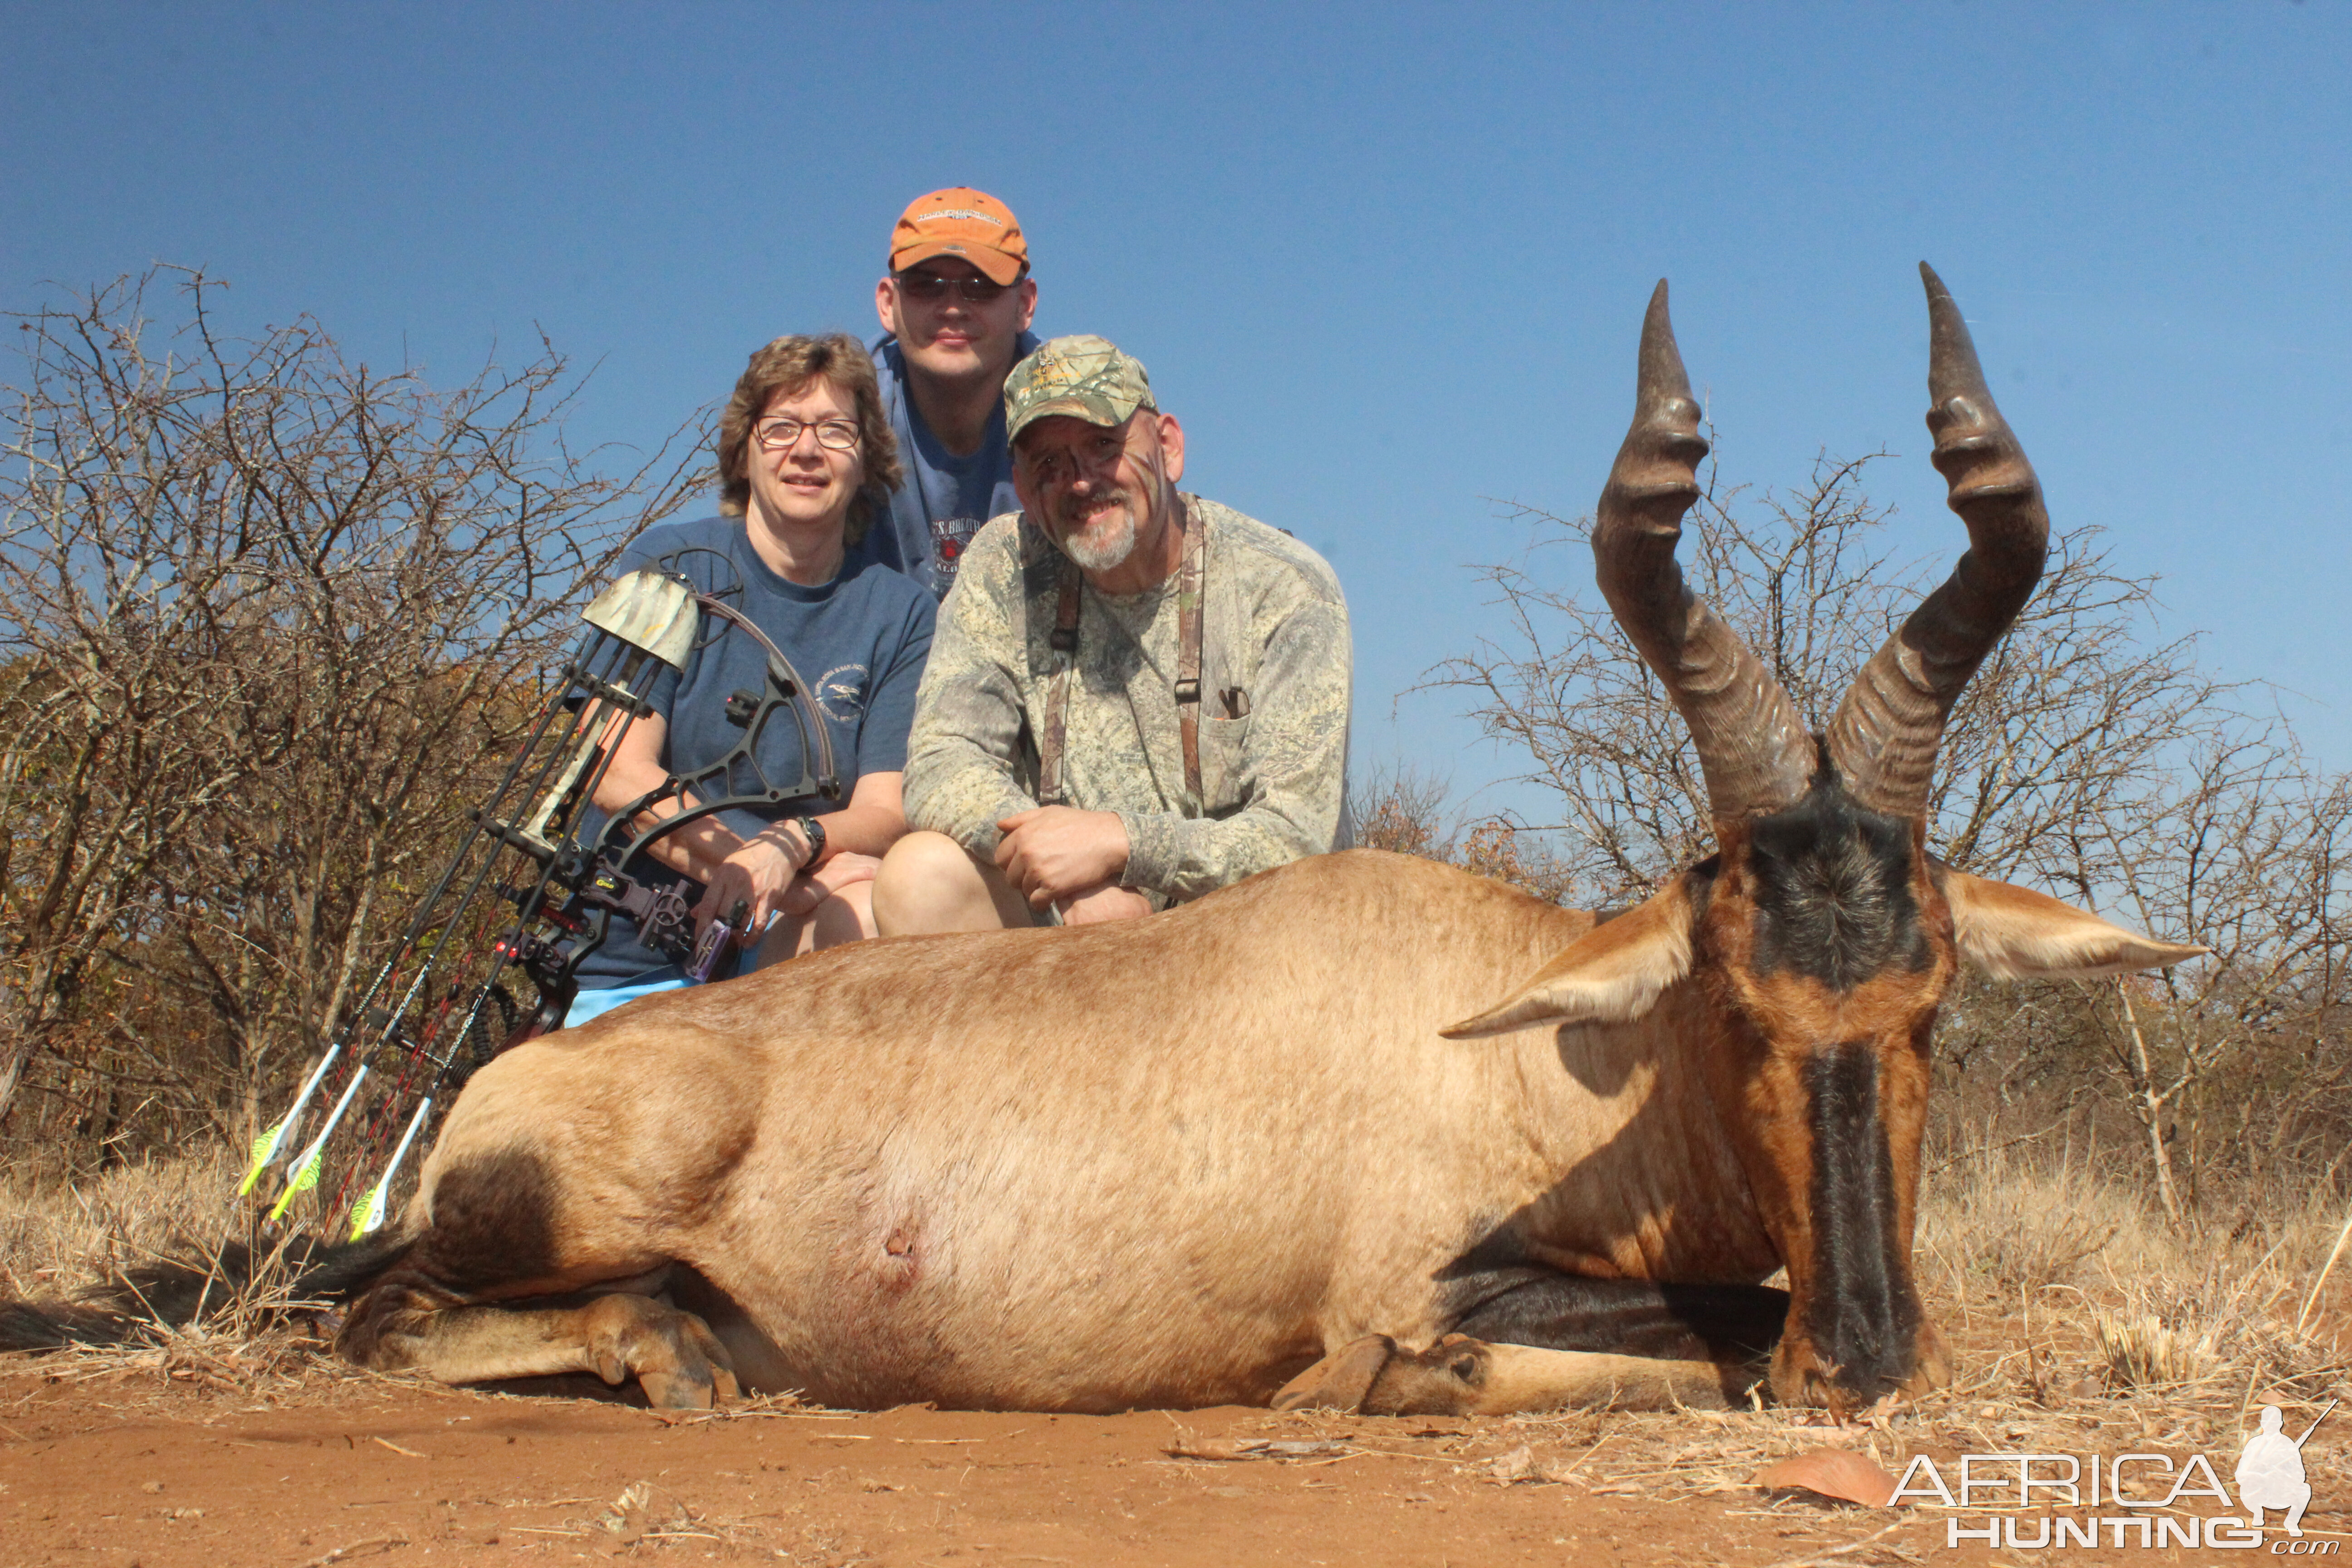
(440,1007)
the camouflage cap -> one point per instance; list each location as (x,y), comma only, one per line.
(1085,377)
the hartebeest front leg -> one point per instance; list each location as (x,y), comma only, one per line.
(1463,1376)
(1534,1343)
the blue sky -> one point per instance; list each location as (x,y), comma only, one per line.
(1387,264)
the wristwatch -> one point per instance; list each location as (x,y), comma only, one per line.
(813,831)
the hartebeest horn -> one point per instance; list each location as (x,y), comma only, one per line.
(1886,734)
(1752,745)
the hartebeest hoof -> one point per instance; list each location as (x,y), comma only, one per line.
(1371,1376)
(1447,1379)
(1341,1380)
(672,1355)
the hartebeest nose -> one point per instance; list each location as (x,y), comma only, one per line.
(1859,1312)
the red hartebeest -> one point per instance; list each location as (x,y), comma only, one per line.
(1363,1130)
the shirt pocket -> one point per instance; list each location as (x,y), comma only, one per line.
(1224,765)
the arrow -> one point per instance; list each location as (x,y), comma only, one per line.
(266,1147)
(368,1218)
(306,1169)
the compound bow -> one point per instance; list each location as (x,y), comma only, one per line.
(421,1036)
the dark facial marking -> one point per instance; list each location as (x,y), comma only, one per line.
(1863,1315)
(1832,892)
(1732,1323)
(1494,1291)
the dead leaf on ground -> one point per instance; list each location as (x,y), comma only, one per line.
(1518,1464)
(1839,1473)
(642,1509)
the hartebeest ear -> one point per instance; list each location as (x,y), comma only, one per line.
(2016,934)
(1612,974)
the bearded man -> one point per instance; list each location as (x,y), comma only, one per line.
(1134,697)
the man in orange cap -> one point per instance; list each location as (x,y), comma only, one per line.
(956,305)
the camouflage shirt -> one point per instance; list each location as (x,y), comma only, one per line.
(1273,782)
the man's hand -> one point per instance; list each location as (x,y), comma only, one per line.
(1109,902)
(1057,852)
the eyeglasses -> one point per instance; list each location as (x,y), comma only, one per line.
(930,288)
(784,434)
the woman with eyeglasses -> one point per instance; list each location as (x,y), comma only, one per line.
(805,456)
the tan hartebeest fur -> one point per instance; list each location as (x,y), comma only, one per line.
(1170,1162)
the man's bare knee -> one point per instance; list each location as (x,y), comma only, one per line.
(929,884)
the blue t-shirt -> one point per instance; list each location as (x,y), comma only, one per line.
(943,498)
(858,641)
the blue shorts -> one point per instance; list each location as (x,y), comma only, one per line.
(668,977)
(595,1004)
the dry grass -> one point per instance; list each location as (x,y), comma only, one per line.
(1998,1223)
(2226,1322)
(61,1238)
(184,1299)
(2090,1298)
(2140,1350)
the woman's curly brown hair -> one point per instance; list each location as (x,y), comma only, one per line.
(786,366)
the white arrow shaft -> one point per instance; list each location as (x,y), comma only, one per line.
(294,1112)
(335,1118)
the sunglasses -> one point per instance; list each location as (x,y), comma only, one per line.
(930,288)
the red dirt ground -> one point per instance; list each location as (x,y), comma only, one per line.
(135,1466)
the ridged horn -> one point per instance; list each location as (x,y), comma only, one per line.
(1751,745)
(1884,739)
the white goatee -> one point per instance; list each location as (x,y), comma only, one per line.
(1105,547)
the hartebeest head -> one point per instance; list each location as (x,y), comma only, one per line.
(1821,932)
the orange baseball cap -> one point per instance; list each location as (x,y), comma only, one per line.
(960,222)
